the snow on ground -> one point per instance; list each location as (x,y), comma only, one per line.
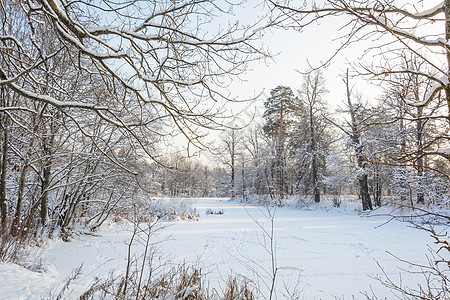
(337,251)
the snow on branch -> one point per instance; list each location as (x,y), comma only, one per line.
(50,100)
(165,58)
(431,12)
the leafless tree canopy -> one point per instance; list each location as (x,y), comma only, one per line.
(132,57)
(391,31)
(408,27)
(86,87)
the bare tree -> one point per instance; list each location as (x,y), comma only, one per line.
(104,82)
(4,162)
(401,28)
(353,129)
(255,145)
(161,53)
(313,89)
(357,122)
(229,152)
(417,132)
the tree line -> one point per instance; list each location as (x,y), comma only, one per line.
(84,98)
(380,152)
(384,150)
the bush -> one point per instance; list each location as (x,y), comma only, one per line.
(209,211)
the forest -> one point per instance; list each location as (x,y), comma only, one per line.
(390,152)
(94,93)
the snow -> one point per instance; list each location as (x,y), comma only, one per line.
(440,41)
(444,80)
(430,12)
(20,283)
(337,251)
(445,151)
(55,102)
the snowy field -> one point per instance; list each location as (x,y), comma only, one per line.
(336,252)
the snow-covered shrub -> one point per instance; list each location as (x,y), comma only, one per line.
(180,282)
(169,209)
(10,248)
(210,211)
(165,209)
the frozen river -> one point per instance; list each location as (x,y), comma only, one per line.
(328,253)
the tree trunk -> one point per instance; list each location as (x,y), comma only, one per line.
(22,180)
(378,186)
(355,137)
(233,192)
(314,179)
(419,162)
(4,162)
(315,184)
(447,38)
(279,155)
(363,181)
(243,181)
(365,195)
(403,180)
(47,172)
(44,190)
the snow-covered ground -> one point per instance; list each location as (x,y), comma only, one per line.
(336,252)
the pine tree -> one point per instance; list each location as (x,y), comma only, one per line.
(279,117)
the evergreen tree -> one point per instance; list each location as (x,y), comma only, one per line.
(280,112)
(279,117)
